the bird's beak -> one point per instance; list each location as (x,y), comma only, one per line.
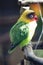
(36,18)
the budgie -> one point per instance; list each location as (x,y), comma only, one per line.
(23,30)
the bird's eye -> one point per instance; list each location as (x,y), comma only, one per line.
(31,15)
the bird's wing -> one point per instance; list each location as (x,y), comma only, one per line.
(18,33)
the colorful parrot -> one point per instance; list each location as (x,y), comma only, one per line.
(23,31)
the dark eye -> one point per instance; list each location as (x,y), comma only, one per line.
(31,15)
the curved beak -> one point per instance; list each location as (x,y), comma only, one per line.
(36,18)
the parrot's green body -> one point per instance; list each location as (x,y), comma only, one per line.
(22,32)
(19,33)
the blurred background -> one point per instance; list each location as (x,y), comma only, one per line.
(9,14)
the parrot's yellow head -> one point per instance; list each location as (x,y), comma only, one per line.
(28,16)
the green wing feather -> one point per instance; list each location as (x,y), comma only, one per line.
(19,35)
(19,32)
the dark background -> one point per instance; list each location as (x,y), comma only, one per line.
(9,13)
(8,7)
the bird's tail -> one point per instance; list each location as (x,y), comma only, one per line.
(11,49)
